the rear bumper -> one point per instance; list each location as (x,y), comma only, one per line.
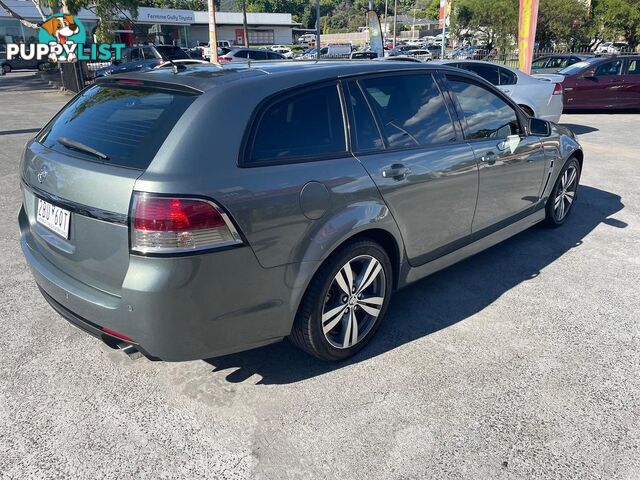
(180,308)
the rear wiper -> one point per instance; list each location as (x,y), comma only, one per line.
(81,147)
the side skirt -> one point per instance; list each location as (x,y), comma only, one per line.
(417,273)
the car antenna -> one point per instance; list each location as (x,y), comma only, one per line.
(176,68)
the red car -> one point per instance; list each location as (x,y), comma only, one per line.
(602,82)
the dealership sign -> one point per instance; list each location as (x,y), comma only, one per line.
(61,38)
(166,16)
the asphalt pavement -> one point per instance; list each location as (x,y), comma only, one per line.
(521,362)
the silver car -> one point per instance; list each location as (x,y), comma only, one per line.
(167,215)
(538,97)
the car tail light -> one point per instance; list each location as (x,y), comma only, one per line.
(162,224)
(557,89)
(224,59)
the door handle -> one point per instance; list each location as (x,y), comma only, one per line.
(397,171)
(489,158)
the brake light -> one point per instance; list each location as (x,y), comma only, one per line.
(129,81)
(224,59)
(557,89)
(174,225)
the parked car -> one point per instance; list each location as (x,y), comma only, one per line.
(159,234)
(419,53)
(553,63)
(468,52)
(19,64)
(144,57)
(307,39)
(602,82)
(612,47)
(286,52)
(249,54)
(400,50)
(538,97)
(363,55)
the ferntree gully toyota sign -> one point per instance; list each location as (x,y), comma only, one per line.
(61,38)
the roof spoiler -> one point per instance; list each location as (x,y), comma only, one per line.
(124,81)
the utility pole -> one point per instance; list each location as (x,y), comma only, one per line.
(444,30)
(245,30)
(317,29)
(413,25)
(213,37)
(386,31)
(395,21)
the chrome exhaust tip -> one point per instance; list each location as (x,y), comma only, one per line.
(132,352)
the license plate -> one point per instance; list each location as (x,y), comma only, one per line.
(54,218)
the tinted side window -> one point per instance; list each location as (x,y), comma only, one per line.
(540,62)
(304,125)
(634,67)
(253,55)
(135,54)
(363,128)
(488,72)
(486,114)
(411,109)
(609,68)
(507,77)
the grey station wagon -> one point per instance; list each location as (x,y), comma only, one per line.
(194,214)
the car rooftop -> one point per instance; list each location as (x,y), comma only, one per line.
(205,77)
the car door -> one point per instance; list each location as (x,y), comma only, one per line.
(630,93)
(596,87)
(609,76)
(403,132)
(511,163)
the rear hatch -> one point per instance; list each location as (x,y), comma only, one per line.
(83,166)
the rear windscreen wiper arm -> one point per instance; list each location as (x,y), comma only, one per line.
(81,147)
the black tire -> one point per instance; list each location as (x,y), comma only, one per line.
(553,219)
(7,68)
(307,332)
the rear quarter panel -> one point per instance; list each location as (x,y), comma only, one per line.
(201,157)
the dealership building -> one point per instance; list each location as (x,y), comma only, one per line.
(185,28)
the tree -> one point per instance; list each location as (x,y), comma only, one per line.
(562,21)
(497,19)
(619,18)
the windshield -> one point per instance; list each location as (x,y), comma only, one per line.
(576,67)
(172,53)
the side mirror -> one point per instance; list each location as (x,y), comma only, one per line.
(539,127)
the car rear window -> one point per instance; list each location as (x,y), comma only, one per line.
(128,125)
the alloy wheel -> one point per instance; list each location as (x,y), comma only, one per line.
(354,301)
(565,193)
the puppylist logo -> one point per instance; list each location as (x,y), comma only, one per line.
(61,38)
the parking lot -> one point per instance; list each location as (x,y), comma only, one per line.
(521,362)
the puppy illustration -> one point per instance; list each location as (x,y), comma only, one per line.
(61,28)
